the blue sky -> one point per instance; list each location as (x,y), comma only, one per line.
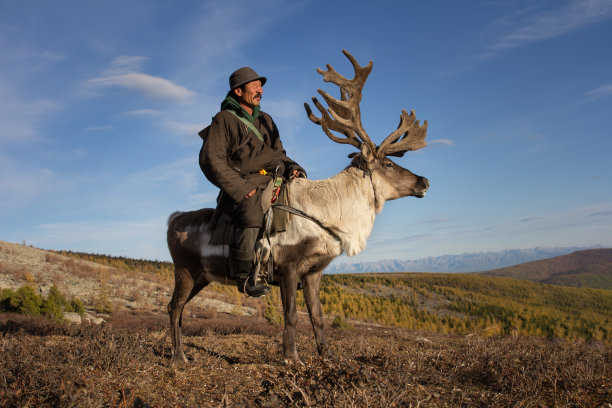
(101,101)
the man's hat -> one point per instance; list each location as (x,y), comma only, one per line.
(243,76)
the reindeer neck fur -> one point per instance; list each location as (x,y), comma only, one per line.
(344,203)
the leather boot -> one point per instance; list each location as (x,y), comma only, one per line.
(246,282)
(241,256)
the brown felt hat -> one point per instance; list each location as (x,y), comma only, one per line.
(243,76)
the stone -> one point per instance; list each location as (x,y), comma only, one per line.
(72,317)
(97,320)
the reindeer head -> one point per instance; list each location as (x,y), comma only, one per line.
(343,116)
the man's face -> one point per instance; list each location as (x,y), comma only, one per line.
(250,94)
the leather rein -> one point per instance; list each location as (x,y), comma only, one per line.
(295,211)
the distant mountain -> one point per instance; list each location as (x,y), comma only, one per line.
(590,268)
(467,262)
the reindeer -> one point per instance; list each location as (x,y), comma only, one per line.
(342,207)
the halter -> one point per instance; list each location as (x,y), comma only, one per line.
(368,172)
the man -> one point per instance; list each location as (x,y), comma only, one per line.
(242,152)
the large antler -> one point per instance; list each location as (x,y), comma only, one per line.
(345,114)
(408,136)
(346,117)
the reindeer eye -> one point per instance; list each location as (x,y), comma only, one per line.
(388,164)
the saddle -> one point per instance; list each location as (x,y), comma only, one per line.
(221,222)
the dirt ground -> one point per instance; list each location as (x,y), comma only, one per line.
(236,362)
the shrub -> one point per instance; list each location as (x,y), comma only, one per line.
(339,323)
(102,304)
(76,306)
(5,299)
(272,315)
(26,301)
(53,305)
(51,308)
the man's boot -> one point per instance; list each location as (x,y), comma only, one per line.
(241,263)
(245,280)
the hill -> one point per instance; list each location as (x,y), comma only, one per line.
(443,303)
(589,268)
(396,340)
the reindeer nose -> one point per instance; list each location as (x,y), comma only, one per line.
(425,182)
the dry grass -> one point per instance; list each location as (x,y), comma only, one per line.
(236,361)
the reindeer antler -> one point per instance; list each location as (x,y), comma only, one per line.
(345,114)
(408,136)
(346,117)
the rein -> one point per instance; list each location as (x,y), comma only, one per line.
(295,211)
(268,227)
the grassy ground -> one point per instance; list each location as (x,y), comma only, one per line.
(236,361)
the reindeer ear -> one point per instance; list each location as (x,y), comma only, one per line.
(367,153)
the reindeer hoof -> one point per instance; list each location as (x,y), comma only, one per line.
(179,360)
(289,361)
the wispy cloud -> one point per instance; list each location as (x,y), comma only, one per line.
(530,219)
(155,87)
(543,25)
(603,91)
(123,73)
(440,219)
(216,37)
(21,184)
(19,117)
(143,112)
(443,142)
(114,238)
(99,128)
(186,133)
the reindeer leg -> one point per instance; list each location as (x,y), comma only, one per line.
(288,295)
(311,284)
(183,287)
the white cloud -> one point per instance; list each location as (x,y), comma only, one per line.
(144,112)
(114,238)
(21,184)
(155,87)
(446,142)
(538,26)
(124,72)
(289,118)
(215,38)
(99,128)
(125,64)
(187,133)
(20,117)
(225,26)
(603,91)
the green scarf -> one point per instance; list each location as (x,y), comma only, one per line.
(230,103)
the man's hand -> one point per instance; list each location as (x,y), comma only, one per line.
(251,194)
(296,174)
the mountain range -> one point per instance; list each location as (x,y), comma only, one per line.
(467,262)
(591,268)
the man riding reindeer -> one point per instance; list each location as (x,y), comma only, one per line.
(242,154)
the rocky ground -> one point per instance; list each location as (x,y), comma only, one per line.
(94,283)
(235,359)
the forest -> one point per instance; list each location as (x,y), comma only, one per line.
(443,303)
